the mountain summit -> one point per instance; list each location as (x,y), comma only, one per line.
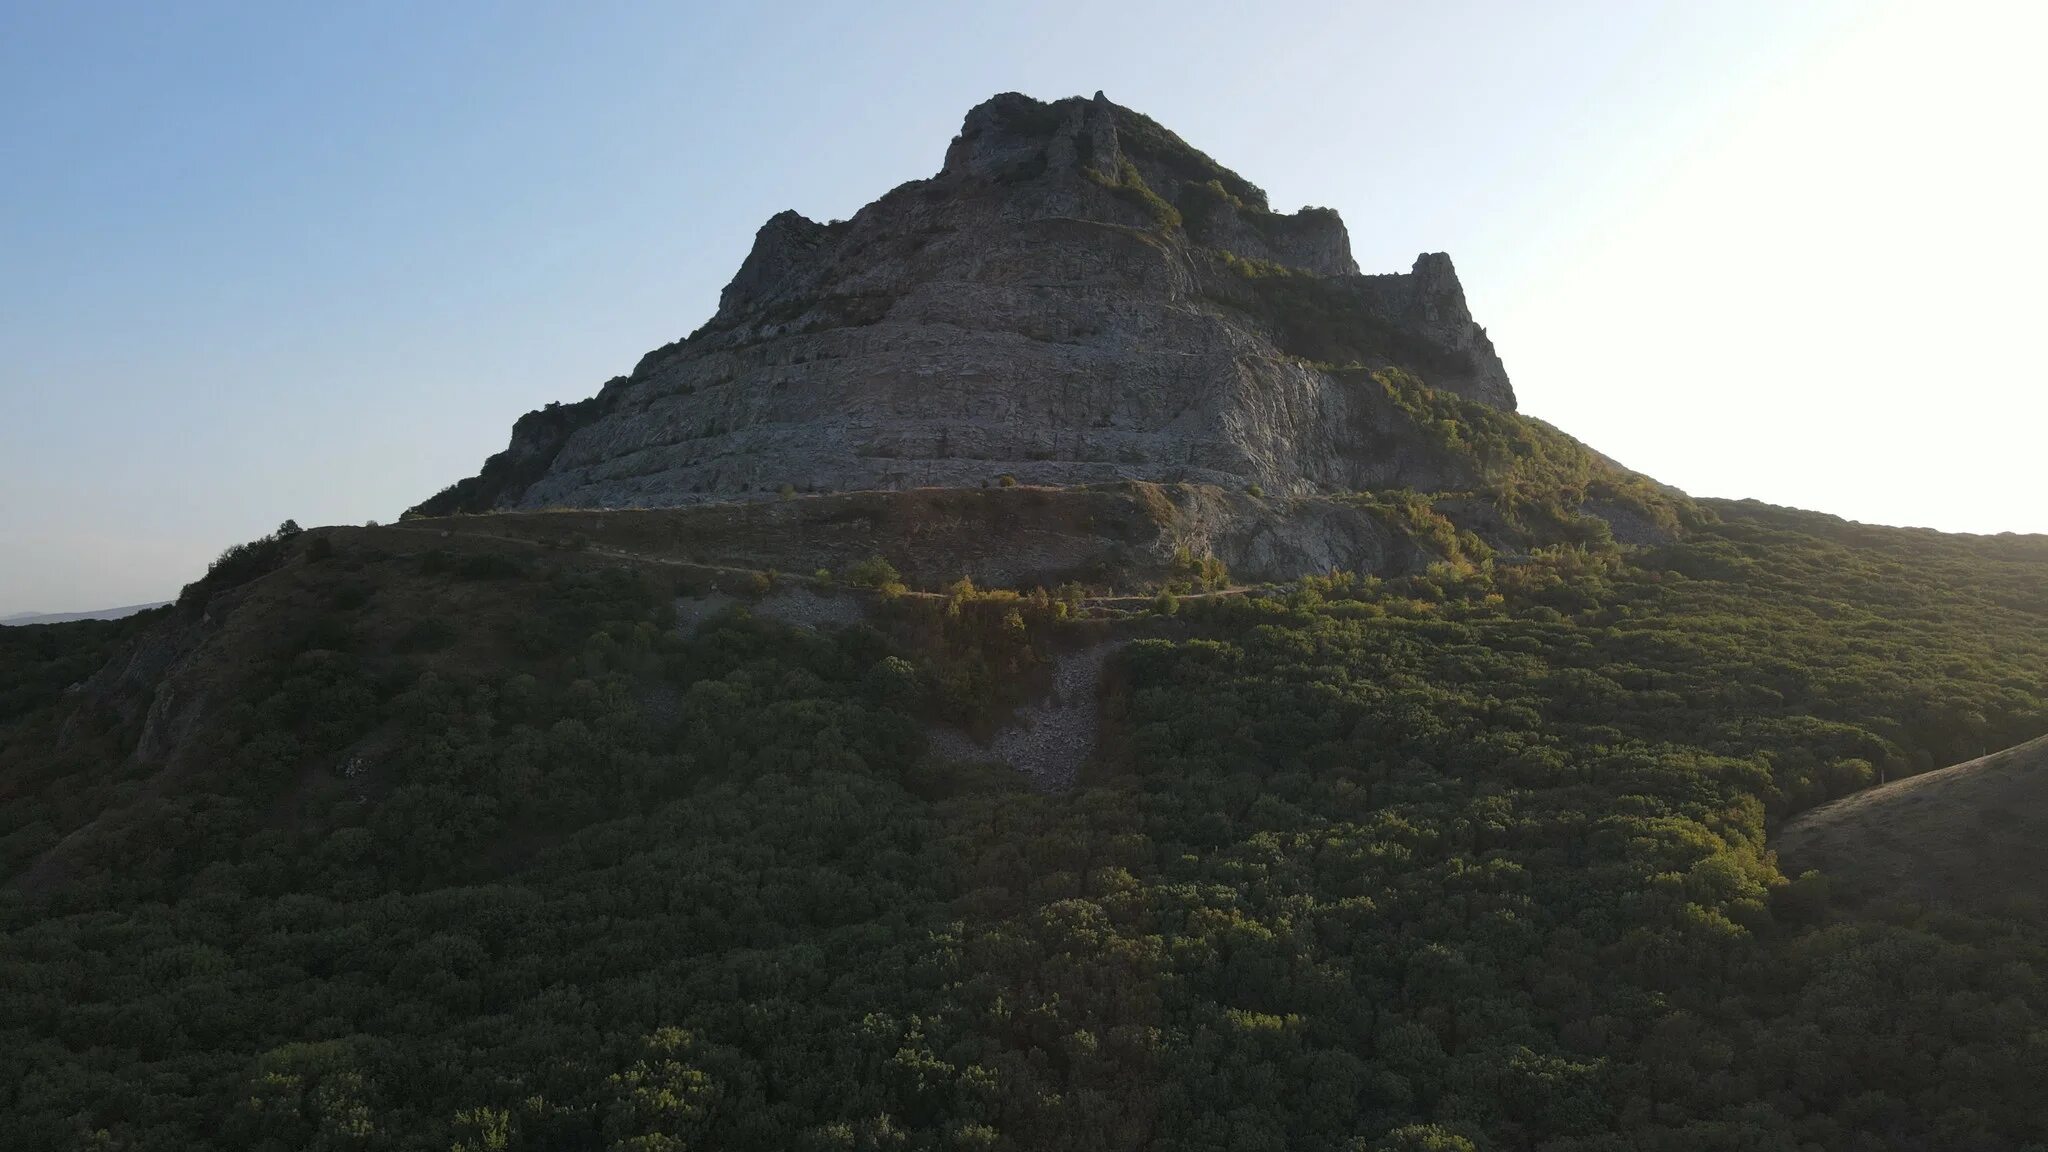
(1078,296)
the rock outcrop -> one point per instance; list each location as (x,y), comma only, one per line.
(1077,297)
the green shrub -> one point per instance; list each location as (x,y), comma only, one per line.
(1129,185)
(488,566)
(873,572)
(1196,573)
(428,635)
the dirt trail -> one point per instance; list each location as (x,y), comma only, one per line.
(1125,602)
(1049,741)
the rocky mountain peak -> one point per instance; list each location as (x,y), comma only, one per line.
(1014,140)
(1077,296)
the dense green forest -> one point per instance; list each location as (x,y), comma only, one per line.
(483,852)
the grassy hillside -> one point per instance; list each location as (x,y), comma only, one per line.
(1973,834)
(426,842)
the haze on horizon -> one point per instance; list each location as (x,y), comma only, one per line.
(259,263)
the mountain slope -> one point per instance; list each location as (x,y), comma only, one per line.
(434,835)
(1973,834)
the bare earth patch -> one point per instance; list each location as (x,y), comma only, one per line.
(793,605)
(1050,739)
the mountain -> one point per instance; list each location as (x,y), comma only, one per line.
(1077,297)
(1368,768)
(65,617)
(1082,305)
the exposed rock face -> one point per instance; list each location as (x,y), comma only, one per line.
(1077,297)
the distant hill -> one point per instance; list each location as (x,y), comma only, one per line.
(1973,835)
(66,617)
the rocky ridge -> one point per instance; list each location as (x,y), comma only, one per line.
(1077,297)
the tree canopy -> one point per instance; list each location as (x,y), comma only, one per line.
(487,853)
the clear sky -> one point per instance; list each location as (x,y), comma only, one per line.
(269,260)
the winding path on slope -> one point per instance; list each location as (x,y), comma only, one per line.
(1116,603)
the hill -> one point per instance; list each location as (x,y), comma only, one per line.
(434,835)
(20,618)
(1971,834)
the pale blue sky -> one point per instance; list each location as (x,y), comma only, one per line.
(266,260)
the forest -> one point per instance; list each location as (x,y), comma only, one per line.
(485,851)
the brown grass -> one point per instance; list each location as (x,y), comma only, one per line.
(1973,835)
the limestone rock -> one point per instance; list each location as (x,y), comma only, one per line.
(1077,297)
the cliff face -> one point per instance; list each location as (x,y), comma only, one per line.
(1077,297)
